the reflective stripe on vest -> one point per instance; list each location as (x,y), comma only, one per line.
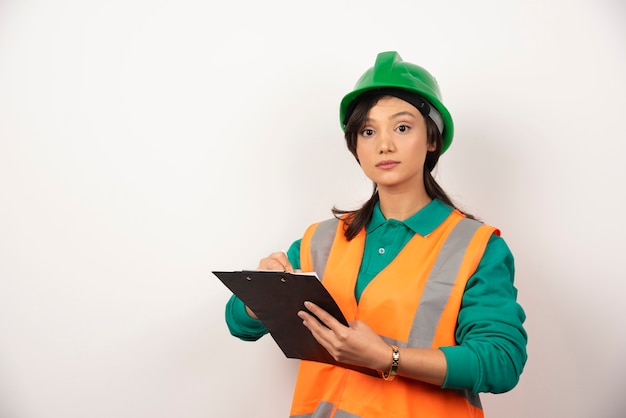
(321,242)
(325,410)
(439,283)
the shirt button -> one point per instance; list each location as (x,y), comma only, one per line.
(381,250)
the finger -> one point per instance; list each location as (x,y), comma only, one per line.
(283,260)
(270,264)
(276,261)
(319,331)
(308,319)
(326,336)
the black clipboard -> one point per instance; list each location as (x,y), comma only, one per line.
(276,297)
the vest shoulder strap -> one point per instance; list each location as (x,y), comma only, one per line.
(316,244)
(443,282)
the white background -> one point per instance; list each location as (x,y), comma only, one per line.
(145,143)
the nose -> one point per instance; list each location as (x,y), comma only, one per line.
(385,143)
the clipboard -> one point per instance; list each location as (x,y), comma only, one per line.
(276,297)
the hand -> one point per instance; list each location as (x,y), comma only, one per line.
(357,344)
(274,261)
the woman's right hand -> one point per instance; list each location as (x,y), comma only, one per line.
(275,261)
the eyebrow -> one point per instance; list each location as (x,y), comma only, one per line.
(403,113)
(395,115)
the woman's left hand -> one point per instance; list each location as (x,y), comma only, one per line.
(357,344)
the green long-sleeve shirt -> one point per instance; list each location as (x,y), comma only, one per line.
(491,350)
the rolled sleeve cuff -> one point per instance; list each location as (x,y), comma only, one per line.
(242,325)
(463,368)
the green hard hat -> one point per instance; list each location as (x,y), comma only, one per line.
(390,71)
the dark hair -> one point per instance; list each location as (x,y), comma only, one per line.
(357,219)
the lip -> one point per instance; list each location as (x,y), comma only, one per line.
(387,164)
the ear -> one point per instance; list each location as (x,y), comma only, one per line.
(431,147)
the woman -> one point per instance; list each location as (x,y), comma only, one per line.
(427,290)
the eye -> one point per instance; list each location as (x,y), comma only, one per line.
(367,132)
(403,128)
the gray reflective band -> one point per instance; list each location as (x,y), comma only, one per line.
(436,117)
(321,241)
(439,285)
(323,410)
(344,414)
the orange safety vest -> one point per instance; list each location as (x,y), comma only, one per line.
(413,302)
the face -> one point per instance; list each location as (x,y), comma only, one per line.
(392,145)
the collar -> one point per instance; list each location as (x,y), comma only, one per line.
(425,221)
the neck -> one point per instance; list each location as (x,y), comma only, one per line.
(402,206)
